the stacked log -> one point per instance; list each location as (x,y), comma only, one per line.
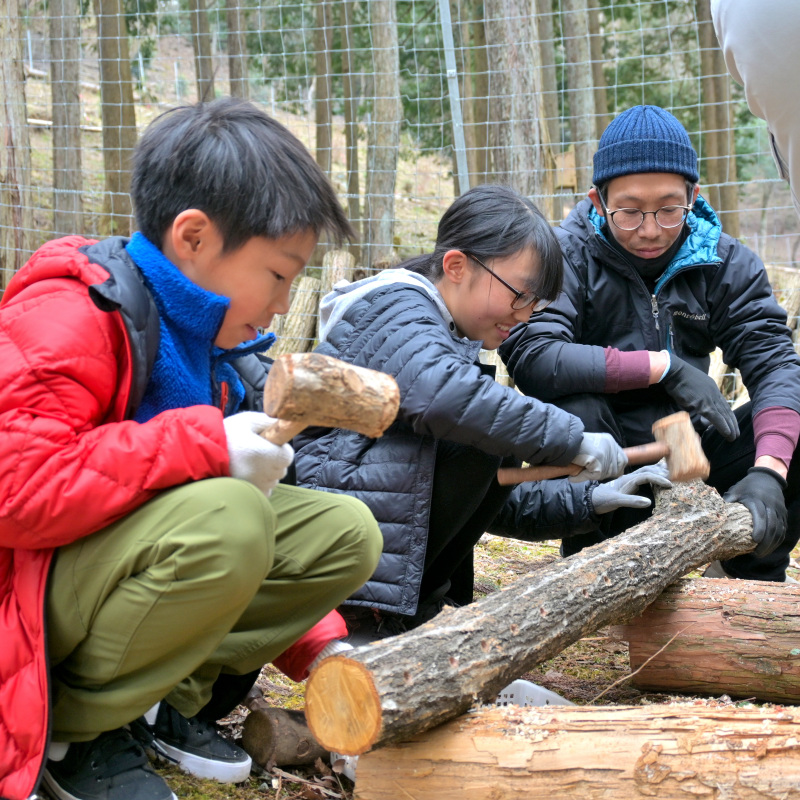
(740,638)
(672,752)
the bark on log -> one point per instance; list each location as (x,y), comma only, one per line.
(740,638)
(280,737)
(404,685)
(298,327)
(671,752)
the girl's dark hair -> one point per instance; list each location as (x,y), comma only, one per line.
(245,170)
(492,221)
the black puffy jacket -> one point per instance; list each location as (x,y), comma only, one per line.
(714,293)
(399,328)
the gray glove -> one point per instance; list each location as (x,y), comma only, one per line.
(600,456)
(252,457)
(619,493)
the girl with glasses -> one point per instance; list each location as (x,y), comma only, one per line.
(431,479)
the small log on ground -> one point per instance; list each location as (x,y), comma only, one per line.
(404,685)
(740,638)
(298,328)
(672,752)
(280,737)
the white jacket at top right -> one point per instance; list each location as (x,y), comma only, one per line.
(759,42)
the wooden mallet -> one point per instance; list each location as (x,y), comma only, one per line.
(304,389)
(676,439)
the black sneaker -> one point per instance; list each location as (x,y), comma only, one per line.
(196,746)
(111,767)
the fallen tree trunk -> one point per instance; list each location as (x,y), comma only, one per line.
(740,638)
(671,751)
(404,685)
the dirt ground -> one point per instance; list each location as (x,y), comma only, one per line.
(594,666)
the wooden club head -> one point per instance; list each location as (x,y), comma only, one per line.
(307,389)
(685,457)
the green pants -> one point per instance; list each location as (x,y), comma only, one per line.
(205,578)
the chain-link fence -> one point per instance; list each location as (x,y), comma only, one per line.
(405,103)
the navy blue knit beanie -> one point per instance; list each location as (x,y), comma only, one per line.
(644,139)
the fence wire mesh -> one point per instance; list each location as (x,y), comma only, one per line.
(405,103)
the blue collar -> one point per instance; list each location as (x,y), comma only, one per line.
(188,365)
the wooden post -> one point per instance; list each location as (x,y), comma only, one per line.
(337,265)
(298,327)
(404,685)
(740,638)
(672,752)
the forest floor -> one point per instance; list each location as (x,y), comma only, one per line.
(592,671)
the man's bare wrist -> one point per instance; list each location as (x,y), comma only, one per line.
(659,361)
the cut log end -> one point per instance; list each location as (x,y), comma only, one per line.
(343,703)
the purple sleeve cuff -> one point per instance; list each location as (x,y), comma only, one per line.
(776,431)
(626,370)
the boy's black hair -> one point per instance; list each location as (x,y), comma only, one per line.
(493,221)
(245,170)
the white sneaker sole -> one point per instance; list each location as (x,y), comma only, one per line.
(222,771)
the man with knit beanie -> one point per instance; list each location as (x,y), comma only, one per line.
(652,286)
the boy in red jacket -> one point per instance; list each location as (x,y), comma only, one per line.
(148,552)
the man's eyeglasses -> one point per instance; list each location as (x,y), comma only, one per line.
(521,299)
(629,219)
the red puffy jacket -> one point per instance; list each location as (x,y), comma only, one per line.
(72,464)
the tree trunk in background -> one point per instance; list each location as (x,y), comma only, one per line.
(384,134)
(545,15)
(728,190)
(515,95)
(118,113)
(323,44)
(476,92)
(711,135)
(350,122)
(66,112)
(16,213)
(602,117)
(201,44)
(580,90)
(237,49)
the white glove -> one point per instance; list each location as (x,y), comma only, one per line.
(252,457)
(619,493)
(600,456)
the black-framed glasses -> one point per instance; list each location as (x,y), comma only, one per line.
(521,299)
(629,219)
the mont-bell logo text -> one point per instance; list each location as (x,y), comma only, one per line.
(687,315)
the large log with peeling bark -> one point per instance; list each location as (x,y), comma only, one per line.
(404,685)
(672,752)
(740,638)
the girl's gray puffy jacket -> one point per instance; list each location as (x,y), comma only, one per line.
(714,293)
(396,322)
